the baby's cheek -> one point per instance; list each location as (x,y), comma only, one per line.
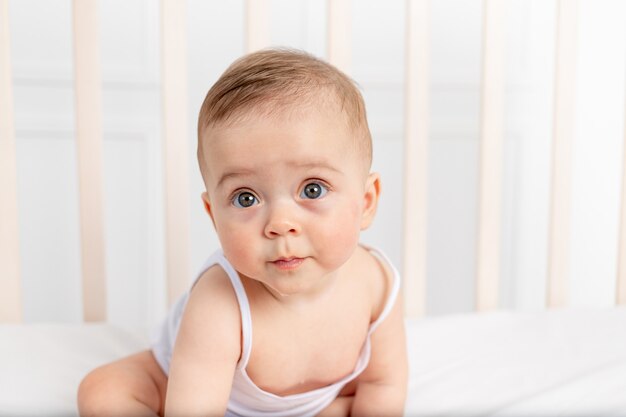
(340,237)
(237,249)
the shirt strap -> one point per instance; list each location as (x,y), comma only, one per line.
(244,308)
(395,288)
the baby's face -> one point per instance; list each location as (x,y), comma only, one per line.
(288,197)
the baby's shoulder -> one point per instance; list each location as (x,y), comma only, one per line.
(379,276)
(213,290)
(214,278)
(211,313)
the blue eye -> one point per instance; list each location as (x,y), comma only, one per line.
(244,200)
(313,190)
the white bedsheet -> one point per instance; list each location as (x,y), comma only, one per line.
(561,363)
(41,365)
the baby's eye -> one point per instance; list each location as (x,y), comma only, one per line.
(244,200)
(313,190)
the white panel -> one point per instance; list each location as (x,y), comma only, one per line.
(43,39)
(50,243)
(511,180)
(519,30)
(456,47)
(42,58)
(455,110)
(378,45)
(518,89)
(597,155)
(216,37)
(288,23)
(129,42)
(385,110)
(127,185)
(132,162)
(386,231)
(452,202)
(316,26)
(10,286)
(530,235)
(135,116)
(44,122)
(155,243)
(452,186)
(299,24)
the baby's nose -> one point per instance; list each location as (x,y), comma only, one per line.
(281,222)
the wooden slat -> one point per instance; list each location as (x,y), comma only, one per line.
(10,286)
(176,146)
(490,185)
(339,34)
(620,298)
(416,121)
(88,85)
(257,25)
(564,107)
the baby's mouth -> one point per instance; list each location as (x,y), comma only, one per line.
(288,263)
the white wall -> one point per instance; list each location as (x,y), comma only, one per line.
(42,68)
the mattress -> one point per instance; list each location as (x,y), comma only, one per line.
(41,365)
(557,363)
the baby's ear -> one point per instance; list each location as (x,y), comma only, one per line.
(370,199)
(207,206)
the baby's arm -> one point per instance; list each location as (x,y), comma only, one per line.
(207,349)
(381,389)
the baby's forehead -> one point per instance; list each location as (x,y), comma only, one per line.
(230,133)
(297,116)
(284,106)
(297,140)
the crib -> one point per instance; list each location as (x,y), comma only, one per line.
(561,359)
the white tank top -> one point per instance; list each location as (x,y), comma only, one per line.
(246,398)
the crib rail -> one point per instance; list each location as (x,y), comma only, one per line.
(491,146)
(175,134)
(565,87)
(88,86)
(417,116)
(417,111)
(257,25)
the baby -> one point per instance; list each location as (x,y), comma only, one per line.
(292,317)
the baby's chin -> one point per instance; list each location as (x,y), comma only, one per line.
(290,286)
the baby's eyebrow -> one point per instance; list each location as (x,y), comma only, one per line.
(245,172)
(234,174)
(316,164)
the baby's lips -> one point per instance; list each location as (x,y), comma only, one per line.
(288,263)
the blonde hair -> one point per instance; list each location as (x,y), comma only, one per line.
(272,80)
